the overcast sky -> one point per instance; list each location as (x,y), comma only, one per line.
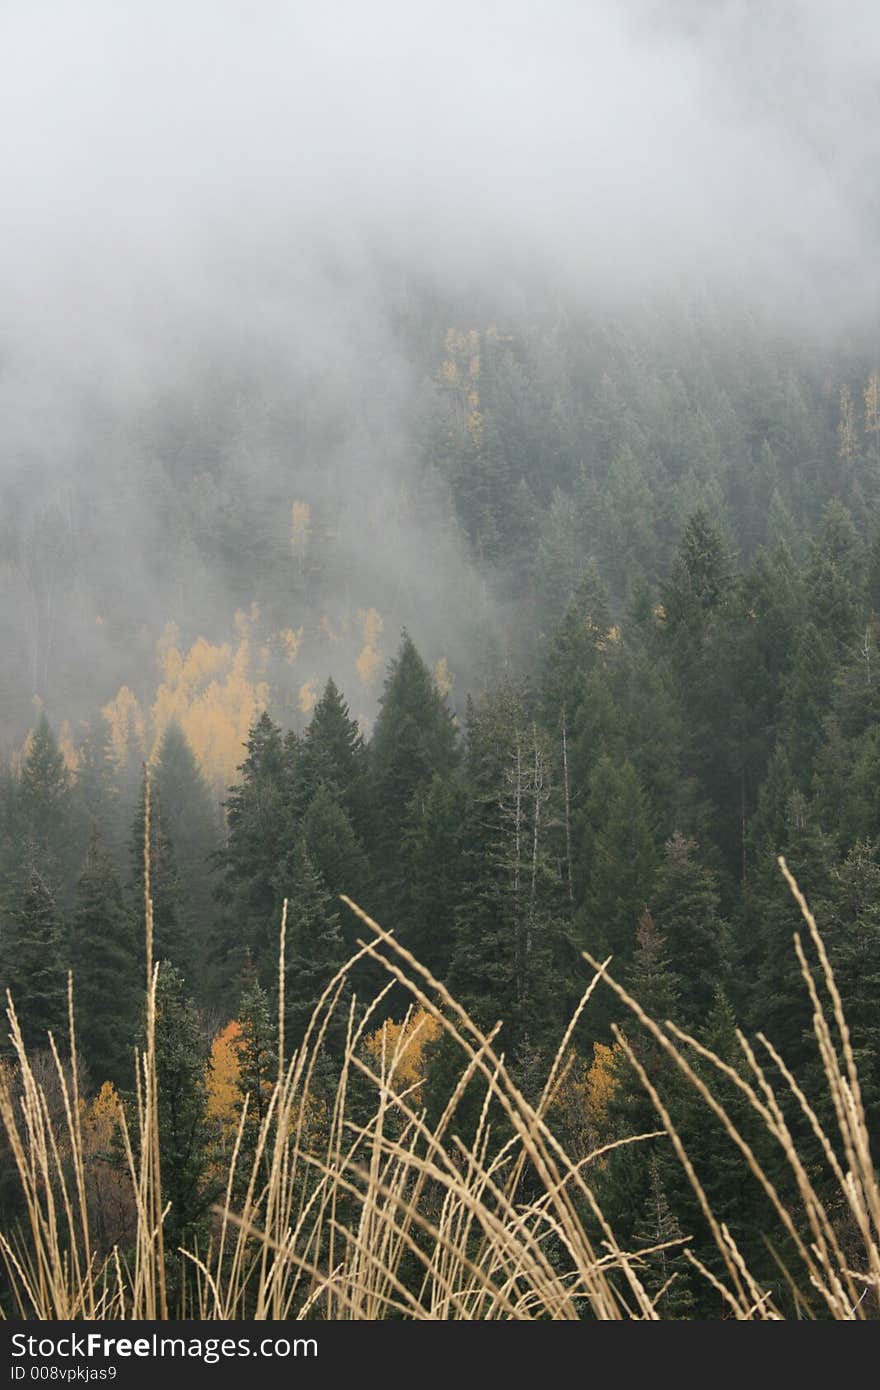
(183,182)
(154,147)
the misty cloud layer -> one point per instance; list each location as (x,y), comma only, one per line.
(214,217)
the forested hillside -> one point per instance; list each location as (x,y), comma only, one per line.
(440,611)
(694,693)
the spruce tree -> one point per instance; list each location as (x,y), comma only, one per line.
(257,1050)
(626,1182)
(260,830)
(191,825)
(433,845)
(107,969)
(685,905)
(666,1274)
(182,1112)
(620,851)
(575,649)
(45,806)
(333,754)
(34,955)
(315,951)
(97,793)
(413,740)
(511,956)
(336,853)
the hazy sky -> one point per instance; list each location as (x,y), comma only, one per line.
(170,150)
(187,181)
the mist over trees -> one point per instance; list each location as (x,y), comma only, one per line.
(463,497)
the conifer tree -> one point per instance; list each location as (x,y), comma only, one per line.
(433,845)
(260,830)
(107,969)
(336,853)
(666,1276)
(181,1098)
(97,793)
(315,950)
(191,824)
(333,754)
(257,1051)
(626,1184)
(414,738)
(45,809)
(34,955)
(778,1001)
(685,906)
(620,851)
(511,956)
(575,649)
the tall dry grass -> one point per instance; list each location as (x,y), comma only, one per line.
(390,1217)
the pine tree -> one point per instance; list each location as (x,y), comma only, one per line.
(702,578)
(107,969)
(257,1051)
(45,807)
(575,649)
(626,1183)
(511,956)
(191,824)
(182,1114)
(667,1269)
(835,578)
(260,829)
(805,700)
(413,740)
(778,1000)
(315,951)
(34,955)
(336,853)
(620,851)
(849,914)
(685,906)
(433,844)
(333,754)
(97,792)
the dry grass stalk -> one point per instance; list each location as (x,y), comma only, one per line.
(386,1215)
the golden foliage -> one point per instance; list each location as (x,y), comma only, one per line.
(213,695)
(100,1118)
(872,406)
(327,628)
(402,1046)
(108,1187)
(460,373)
(369,662)
(601,1083)
(847,444)
(308,695)
(443,678)
(222,1075)
(580,1106)
(67,747)
(291,640)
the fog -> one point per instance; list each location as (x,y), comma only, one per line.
(222,222)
